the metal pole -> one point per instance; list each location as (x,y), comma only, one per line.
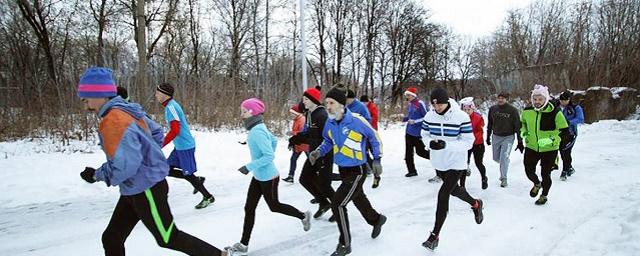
(303,55)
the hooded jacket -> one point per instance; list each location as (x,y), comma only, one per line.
(348,138)
(546,124)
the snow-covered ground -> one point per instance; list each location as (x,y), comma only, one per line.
(46,209)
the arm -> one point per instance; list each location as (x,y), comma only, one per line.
(425,133)
(264,144)
(374,140)
(490,122)
(156,130)
(327,143)
(579,118)
(124,162)
(517,123)
(464,142)
(173,132)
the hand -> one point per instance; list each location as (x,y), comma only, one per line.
(545,142)
(488,140)
(244,170)
(376,167)
(289,133)
(520,147)
(411,121)
(88,174)
(437,144)
(290,147)
(313,156)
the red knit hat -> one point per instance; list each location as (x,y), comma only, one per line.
(295,109)
(313,94)
(411,91)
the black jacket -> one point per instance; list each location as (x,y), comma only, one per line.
(503,120)
(312,134)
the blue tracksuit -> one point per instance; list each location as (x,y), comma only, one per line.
(359,108)
(347,138)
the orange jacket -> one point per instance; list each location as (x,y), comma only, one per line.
(298,126)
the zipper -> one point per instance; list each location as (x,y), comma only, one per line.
(536,127)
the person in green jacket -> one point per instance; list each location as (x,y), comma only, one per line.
(544,130)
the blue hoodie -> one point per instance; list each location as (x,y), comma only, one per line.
(359,108)
(574,116)
(415,111)
(131,142)
(347,139)
(262,145)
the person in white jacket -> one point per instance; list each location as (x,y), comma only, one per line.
(447,132)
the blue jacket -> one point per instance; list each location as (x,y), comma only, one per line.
(416,111)
(348,138)
(359,108)
(131,142)
(574,116)
(262,145)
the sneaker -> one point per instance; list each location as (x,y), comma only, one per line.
(201,181)
(563,176)
(321,210)
(205,202)
(477,210)
(313,201)
(288,179)
(432,242)
(378,226)
(503,182)
(411,174)
(542,200)
(534,190)
(332,218)
(571,171)
(237,249)
(341,250)
(468,172)
(376,182)
(306,222)
(435,179)
(485,183)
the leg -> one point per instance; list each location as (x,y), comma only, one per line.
(450,182)
(362,203)
(323,182)
(421,149)
(198,185)
(343,195)
(566,159)
(122,221)
(495,147)
(270,192)
(293,162)
(253,197)
(478,155)
(530,161)
(153,209)
(460,192)
(408,153)
(308,179)
(547,161)
(505,152)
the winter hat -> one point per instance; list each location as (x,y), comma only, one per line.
(541,90)
(295,109)
(351,94)
(255,106)
(364,98)
(566,95)
(439,96)
(503,94)
(468,102)
(122,92)
(97,82)
(411,91)
(313,94)
(166,88)
(338,94)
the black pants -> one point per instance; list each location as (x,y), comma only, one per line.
(565,154)
(195,182)
(449,187)
(268,190)
(317,179)
(351,189)
(411,143)
(152,208)
(478,153)
(547,160)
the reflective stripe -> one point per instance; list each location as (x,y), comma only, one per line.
(347,152)
(357,137)
(166,234)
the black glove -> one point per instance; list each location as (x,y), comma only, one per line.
(244,170)
(520,147)
(488,139)
(88,174)
(437,144)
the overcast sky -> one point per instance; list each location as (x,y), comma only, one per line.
(475,18)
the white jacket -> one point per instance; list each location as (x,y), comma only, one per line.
(454,127)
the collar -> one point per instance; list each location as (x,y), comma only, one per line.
(164,104)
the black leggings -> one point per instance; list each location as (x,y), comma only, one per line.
(547,160)
(478,153)
(268,189)
(411,143)
(317,179)
(449,187)
(152,208)
(193,179)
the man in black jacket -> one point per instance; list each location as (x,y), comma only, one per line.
(504,124)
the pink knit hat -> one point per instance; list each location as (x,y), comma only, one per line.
(468,102)
(255,106)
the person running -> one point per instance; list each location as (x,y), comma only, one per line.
(448,132)
(415,114)
(356,106)
(373,110)
(182,160)
(136,164)
(502,128)
(315,177)
(477,124)
(346,135)
(574,116)
(296,149)
(544,130)
(262,146)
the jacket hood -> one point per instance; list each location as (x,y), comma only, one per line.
(134,109)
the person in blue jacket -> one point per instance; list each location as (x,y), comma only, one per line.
(346,135)
(575,116)
(416,110)
(262,146)
(136,164)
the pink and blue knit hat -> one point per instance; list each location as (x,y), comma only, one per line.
(97,82)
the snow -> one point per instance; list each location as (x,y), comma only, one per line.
(597,88)
(46,209)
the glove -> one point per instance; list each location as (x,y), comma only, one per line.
(488,140)
(289,133)
(437,144)
(411,121)
(520,147)
(88,174)
(244,170)
(313,156)
(545,142)
(376,167)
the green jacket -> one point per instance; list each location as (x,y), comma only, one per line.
(541,129)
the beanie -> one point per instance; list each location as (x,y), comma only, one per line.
(351,94)
(411,91)
(254,105)
(439,96)
(313,94)
(97,82)
(338,95)
(566,95)
(166,88)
